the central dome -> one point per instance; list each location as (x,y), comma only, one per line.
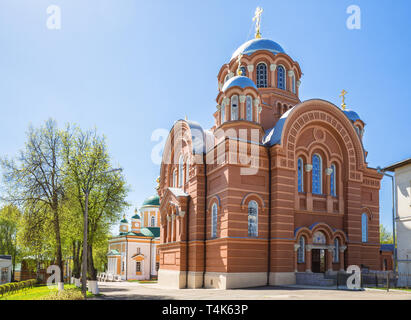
(258,44)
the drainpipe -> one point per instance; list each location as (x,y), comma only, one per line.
(205,217)
(187,215)
(126,257)
(149,272)
(269,217)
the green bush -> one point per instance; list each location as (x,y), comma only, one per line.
(13,287)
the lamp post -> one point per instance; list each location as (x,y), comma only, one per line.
(394,215)
(87,190)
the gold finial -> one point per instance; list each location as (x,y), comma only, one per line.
(257,18)
(239,71)
(124,216)
(342,95)
(158,183)
(185,118)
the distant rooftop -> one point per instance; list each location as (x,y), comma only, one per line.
(398,165)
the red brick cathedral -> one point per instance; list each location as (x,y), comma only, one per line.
(276,188)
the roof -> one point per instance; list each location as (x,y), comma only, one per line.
(124,221)
(254,45)
(387,247)
(178,192)
(150,232)
(136,216)
(352,115)
(152,201)
(5,257)
(273,136)
(238,81)
(113,253)
(398,165)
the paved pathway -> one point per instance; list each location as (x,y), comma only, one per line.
(136,291)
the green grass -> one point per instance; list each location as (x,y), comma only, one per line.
(143,281)
(402,289)
(37,293)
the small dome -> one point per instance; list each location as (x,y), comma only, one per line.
(124,221)
(258,44)
(152,201)
(352,115)
(238,81)
(136,217)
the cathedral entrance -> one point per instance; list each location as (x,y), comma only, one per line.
(318,261)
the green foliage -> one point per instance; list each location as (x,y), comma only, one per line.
(14,287)
(385,235)
(66,294)
(45,189)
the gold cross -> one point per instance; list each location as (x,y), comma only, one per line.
(342,95)
(257,18)
(239,71)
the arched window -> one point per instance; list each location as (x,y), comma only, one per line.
(336,257)
(249,108)
(153,221)
(301,250)
(364,227)
(300,169)
(281,77)
(252,219)
(187,176)
(180,171)
(174,179)
(333,180)
(223,113)
(317,174)
(234,108)
(243,71)
(214,221)
(261,75)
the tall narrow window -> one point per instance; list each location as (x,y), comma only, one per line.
(234,108)
(261,75)
(301,250)
(281,78)
(187,169)
(317,174)
(214,212)
(364,227)
(336,257)
(138,266)
(180,171)
(293,83)
(249,108)
(223,113)
(300,170)
(252,219)
(153,221)
(174,178)
(333,180)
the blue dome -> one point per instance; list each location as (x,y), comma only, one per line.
(238,81)
(258,44)
(352,115)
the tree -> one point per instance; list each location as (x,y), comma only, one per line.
(10,217)
(93,183)
(385,235)
(36,178)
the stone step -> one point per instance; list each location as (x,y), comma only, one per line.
(314,279)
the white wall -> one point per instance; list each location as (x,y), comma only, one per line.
(403,189)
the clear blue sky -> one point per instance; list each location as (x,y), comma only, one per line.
(129,67)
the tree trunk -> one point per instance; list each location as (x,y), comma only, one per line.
(76,259)
(92,271)
(59,255)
